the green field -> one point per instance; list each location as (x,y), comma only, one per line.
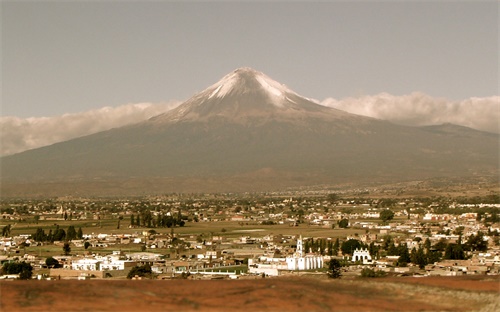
(229,229)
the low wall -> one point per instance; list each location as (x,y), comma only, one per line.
(74,274)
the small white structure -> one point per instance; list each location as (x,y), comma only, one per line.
(86,264)
(361,255)
(102,263)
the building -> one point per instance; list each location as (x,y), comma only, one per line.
(271,265)
(361,255)
(301,261)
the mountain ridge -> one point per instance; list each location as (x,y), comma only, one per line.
(247,132)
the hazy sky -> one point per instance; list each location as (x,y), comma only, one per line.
(67,57)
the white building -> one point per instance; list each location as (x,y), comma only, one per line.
(106,263)
(86,264)
(362,255)
(298,261)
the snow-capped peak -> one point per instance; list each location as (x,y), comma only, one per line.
(244,79)
(241,94)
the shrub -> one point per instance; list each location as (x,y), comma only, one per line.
(367,272)
(25,270)
(142,271)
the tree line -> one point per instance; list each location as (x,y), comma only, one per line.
(425,253)
(146,219)
(58,234)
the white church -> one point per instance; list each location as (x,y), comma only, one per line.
(298,261)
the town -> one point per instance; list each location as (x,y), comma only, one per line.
(238,236)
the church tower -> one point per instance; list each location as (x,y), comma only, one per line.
(300,250)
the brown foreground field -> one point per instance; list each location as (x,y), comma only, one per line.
(467,293)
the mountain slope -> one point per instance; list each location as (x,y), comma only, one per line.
(248,132)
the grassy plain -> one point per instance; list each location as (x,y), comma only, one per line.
(230,230)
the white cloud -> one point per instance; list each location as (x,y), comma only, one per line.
(417,109)
(18,134)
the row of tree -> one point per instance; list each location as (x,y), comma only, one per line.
(422,255)
(58,234)
(146,219)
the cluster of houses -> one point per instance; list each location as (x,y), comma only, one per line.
(271,255)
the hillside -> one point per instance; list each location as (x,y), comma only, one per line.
(467,293)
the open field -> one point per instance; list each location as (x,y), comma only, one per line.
(230,229)
(312,293)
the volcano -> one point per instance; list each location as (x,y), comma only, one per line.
(248,132)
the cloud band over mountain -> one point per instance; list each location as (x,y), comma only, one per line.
(415,109)
(18,134)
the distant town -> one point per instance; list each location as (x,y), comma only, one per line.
(229,236)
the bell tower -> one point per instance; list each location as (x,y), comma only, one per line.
(300,250)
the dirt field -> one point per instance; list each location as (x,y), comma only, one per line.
(269,294)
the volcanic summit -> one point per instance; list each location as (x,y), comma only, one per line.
(244,93)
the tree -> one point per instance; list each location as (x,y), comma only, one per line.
(25,270)
(332,198)
(441,245)
(66,248)
(373,249)
(132,221)
(334,269)
(418,257)
(433,256)
(386,215)
(71,233)
(79,234)
(59,234)
(52,262)
(39,235)
(404,255)
(343,223)
(427,245)
(350,245)
(86,245)
(6,230)
(335,247)
(454,252)
(141,271)
(477,242)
